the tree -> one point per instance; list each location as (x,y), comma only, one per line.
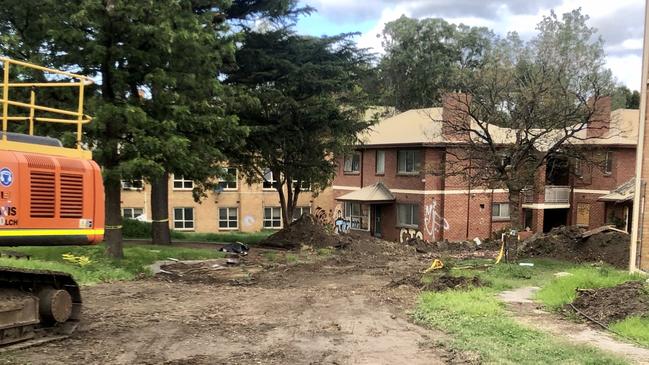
(528,104)
(625,98)
(423,57)
(301,100)
(157,67)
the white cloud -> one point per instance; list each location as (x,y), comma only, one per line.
(627,69)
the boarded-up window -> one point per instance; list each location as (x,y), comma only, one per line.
(583,214)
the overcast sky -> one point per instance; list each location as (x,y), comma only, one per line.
(619,22)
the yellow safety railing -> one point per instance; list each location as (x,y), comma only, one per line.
(77,116)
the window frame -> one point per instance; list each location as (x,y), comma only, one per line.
(416,162)
(228,221)
(380,171)
(128,185)
(301,208)
(225,184)
(133,209)
(578,168)
(183,182)
(272,218)
(350,170)
(184,220)
(303,187)
(500,217)
(356,219)
(414,215)
(268,184)
(608,163)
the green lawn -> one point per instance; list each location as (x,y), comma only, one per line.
(101,268)
(479,323)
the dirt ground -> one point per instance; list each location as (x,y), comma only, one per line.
(607,305)
(334,309)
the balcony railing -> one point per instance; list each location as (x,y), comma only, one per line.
(557,194)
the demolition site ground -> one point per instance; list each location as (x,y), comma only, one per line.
(345,300)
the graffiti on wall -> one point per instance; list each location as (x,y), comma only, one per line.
(433,221)
(323,217)
(248,220)
(339,223)
(407,234)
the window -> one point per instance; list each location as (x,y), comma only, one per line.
(229,180)
(608,163)
(407,215)
(577,167)
(304,186)
(409,161)
(137,184)
(228,218)
(299,211)
(500,211)
(182,184)
(352,163)
(184,218)
(132,213)
(269,180)
(354,212)
(272,217)
(380,162)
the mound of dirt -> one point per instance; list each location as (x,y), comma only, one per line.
(439,283)
(307,230)
(566,243)
(607,305)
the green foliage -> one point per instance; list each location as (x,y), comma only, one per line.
(300,98)
(635,328)
(133,228)
(248,238)
(478,323)
(561,291)
(424,57)
(101,268)
(625,98)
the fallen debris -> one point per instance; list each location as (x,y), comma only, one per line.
(306,230)
(568,243)
(608,305)
(235,248)
(438,283)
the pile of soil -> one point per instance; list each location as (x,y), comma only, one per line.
(307,230)
(566,243)
(607,305)
(439,283)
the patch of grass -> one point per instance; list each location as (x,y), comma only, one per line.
(102,268)
(136,229)
(479,323)
(270,256)
(325,251)
(291,258)
(248,238)
(509,276)
(561,291)
(635,328)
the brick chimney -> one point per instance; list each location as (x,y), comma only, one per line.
(455,117)
(600,121)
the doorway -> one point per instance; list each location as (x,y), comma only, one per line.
(377,221)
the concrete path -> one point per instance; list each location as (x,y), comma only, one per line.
(521,304)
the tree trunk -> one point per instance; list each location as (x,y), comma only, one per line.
(160,233)
(515,208)
(113,233)
(283,204)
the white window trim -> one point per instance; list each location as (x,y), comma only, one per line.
(272,181)
(360,163)
(608,157)
(264,220)
(185,220)
(415,211)
(500,217)
(302,207)
(308,188)
(236,180)
(182,178)
(228,220)
(126,185)
(417,170)
(349,216)
(132,212)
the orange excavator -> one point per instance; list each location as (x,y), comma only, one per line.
(49,195)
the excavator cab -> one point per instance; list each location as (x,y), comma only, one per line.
(49,195)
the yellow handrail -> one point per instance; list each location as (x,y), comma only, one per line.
(79,81)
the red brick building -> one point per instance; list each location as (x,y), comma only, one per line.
(383,189)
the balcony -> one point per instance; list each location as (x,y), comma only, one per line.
(553,194)
(557,194)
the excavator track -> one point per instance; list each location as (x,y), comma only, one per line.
(36,305)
